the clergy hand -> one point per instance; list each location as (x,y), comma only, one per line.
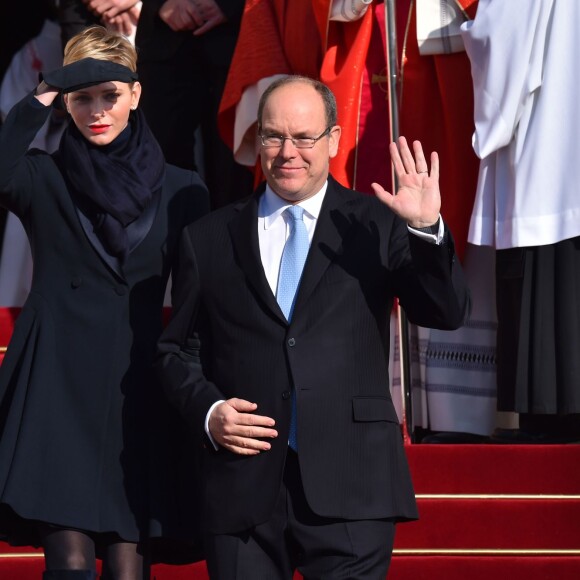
(178,15)
(109,8)
(210,15)
(124,23)
(234,426)
(199,16)
(418,200)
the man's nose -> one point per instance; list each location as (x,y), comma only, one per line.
(288,149)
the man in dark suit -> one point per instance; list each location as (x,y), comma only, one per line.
(325,502)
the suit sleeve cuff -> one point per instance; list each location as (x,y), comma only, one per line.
(434,234)
(206,425)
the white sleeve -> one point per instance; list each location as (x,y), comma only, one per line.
(348,10)
(505,45)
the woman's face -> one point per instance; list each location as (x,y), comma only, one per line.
(101,112)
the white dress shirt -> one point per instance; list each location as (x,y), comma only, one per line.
(274,228)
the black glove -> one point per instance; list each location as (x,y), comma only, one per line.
(87,72)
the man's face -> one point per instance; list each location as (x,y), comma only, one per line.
(297,110)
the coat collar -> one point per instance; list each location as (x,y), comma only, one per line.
(137,231)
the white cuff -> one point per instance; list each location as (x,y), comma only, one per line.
(431,238)
(206,425)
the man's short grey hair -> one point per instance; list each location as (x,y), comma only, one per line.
(327,96)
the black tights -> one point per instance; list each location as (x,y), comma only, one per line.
(66,549)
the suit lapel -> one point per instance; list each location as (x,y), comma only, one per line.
(244,232)
(331,229)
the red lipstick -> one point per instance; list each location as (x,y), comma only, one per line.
(98,128)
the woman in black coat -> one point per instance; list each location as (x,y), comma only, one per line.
(88,446)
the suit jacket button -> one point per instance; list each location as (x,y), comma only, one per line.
(286,395)
(76,282)
(291,342)
(120,291)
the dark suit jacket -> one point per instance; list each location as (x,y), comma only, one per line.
(228,338)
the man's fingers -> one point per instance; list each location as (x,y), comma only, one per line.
(420,161)
(246,409)
(406,156)
(382,193)
(258,432)
(407,162)
(243,445)
(241,405)
(435,165)
(241,432)
(247,431)
(396,159)
(242,450)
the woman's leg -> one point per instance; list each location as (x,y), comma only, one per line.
(125,561)
(68,554)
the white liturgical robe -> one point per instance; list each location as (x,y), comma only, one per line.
(525,64)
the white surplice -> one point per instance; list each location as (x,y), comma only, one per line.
(525,69)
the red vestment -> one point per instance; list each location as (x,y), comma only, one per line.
(435,100)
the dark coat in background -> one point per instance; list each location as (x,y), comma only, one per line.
(86,439)
(183,78)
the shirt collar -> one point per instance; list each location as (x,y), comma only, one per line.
(272,205)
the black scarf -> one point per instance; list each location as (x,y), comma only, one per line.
(113,183)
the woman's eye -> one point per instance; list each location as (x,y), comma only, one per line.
(113,96)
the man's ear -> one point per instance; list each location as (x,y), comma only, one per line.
(334,140)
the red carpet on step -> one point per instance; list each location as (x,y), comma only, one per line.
(487,512)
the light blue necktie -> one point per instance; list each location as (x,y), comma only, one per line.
(291,266)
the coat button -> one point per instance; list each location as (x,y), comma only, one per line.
(76,282)
(291,342)
(120,291)
(286,395)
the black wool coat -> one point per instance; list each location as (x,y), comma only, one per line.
(86,439)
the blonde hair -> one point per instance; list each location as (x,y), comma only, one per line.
(102,44)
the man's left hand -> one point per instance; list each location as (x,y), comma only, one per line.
(418,199)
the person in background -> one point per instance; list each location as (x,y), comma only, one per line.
(185,48)
(20,22)
(523,58)
(43,52)
(304,466)
(88,445)
(121,16)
